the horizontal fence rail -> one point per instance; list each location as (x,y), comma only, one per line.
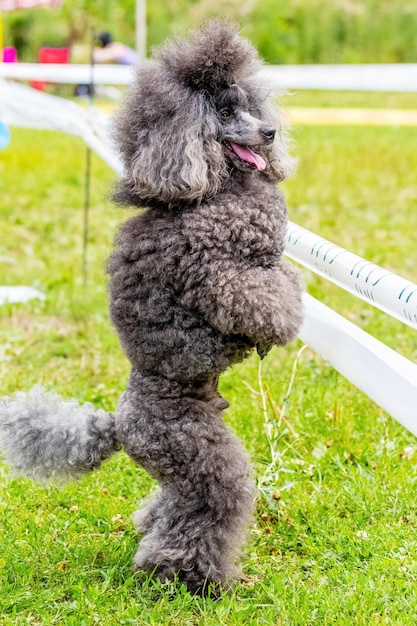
(70,73)
(371,77)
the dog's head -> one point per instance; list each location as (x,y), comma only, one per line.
(194,114)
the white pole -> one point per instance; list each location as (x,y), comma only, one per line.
(373,284)
(384,375)
(141,28)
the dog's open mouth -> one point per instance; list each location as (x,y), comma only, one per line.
(245,154)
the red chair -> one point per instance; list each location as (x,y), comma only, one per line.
(50,55)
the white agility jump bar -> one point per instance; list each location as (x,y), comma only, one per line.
(382,374)
(373,284)
(70,73)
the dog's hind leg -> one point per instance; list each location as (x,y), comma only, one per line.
(196,527)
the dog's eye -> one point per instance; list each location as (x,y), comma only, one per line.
(225,113)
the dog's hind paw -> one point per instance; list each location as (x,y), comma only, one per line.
(199,578)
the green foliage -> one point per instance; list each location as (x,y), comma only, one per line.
(319,31)
(334,539)
(297,31)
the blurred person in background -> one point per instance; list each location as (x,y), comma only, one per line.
(110,51)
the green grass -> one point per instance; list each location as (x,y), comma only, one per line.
(334,539)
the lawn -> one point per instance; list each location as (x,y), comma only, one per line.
(334,540)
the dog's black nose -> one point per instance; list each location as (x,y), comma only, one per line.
(269,133)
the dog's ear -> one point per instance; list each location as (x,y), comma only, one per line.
(167,137)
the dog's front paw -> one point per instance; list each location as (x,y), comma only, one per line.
(263,347)
(288,314)
(286,326)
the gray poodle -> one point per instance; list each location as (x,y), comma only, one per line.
(197,281)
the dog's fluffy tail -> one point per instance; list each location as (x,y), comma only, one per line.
(44,436)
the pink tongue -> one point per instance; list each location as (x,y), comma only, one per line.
(247,155)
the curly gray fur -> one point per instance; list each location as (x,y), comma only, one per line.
(197,281)
(48,437)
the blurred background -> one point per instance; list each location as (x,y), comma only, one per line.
(290,31)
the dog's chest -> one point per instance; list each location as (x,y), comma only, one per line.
(240,226)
